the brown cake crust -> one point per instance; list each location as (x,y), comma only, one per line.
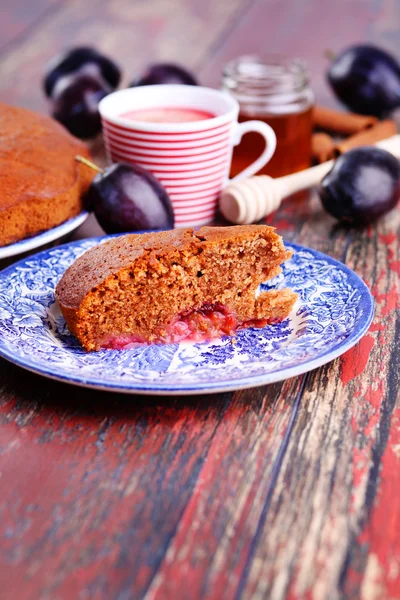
(41,182)
(138,283)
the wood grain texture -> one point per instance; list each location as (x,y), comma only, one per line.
(306,30)
(132,33)
(288,491)
(145,456)
(86,461)
(19,18)
(328,504)
(317,526)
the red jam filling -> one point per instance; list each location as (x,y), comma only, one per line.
(201,325)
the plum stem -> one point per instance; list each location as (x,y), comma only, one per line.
(89,163)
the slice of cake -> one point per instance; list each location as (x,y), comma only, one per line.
(42,184)
(174,285)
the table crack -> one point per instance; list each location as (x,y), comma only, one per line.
(276,469)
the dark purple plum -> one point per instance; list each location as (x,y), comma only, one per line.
(366,79)
(77,61)
(128,198)
(162,73)
(76,107)
(363,185)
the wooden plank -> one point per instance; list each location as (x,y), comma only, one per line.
(306,30)
(93,484)
(19,17)
(209,554)
(132,33)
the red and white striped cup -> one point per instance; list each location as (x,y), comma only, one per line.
(190,159)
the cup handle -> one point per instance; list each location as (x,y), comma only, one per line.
(270,138)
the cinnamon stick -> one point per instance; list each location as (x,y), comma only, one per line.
(341,122)
(380,131)
(322,147)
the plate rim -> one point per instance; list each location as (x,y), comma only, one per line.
(45,237)
(203,388)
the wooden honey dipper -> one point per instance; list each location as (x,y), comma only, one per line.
(249,200)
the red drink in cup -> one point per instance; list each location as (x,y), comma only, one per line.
(183,135)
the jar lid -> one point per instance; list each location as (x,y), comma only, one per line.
(277,78)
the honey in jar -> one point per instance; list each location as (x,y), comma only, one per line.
(274,90)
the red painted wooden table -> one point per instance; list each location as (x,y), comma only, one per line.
(285,491)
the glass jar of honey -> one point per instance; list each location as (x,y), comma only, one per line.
(275,90)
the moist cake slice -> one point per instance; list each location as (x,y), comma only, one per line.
(173,285)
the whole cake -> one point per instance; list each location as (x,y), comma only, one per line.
(41,182)
(174,285)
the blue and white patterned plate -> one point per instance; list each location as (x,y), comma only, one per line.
(334,311)
(46,237)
